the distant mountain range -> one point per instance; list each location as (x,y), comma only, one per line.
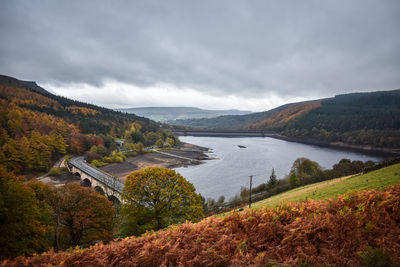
(169,114)
(363,119)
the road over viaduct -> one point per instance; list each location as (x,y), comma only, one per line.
(102,182)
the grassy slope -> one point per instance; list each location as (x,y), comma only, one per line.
(378,179)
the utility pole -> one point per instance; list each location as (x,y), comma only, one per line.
(251,180)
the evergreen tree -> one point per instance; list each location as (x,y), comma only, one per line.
(272,180)
(294,180)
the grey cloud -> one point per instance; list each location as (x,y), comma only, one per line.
(295,48)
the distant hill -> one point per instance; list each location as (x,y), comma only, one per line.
(169,114)
(234,122)
(364,119)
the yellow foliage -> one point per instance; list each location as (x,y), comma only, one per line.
(82,110)
(24,96)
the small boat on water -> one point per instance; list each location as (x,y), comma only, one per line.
(241,146)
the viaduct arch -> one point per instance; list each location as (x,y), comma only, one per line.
(102,182)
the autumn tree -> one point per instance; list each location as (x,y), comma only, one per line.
(134,147)
(136,137)
(346,167)
(305,169)
(91,156)
(100,149)
(134,134)
(94,140)
(82,216)
(155,198)
(151,138)
(77,143)
(21,217)
(11,156)
(44,194)
(159,143)
(58,143)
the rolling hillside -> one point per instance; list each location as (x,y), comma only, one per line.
(169,114)
(361,119)
(37,126)
(90,118)
(234,122)
(284,116)
(366,119)
(377,180)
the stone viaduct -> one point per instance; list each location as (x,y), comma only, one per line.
(102,182)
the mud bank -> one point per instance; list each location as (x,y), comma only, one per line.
(121,170)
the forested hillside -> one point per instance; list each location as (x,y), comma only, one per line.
(366,119)
(361,119)
(233,122)
(37,126)
(284,116)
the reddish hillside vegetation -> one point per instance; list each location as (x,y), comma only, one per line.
(345,231)
(284,116)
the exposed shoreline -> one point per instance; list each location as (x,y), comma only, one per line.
(366,149)
(121,170)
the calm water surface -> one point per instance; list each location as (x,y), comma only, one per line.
(230,171)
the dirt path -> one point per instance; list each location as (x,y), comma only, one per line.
(58,180)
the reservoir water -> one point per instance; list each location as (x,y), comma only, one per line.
(230,171)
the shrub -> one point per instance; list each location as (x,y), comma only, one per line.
(90,156)
(98,163)
(56,171)
(116,157)
(375,257)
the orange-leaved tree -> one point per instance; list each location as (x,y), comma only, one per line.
(155,198)
(82,216)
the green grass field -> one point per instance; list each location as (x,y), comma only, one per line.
(378,179)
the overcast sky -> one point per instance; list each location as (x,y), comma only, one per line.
(250,55)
